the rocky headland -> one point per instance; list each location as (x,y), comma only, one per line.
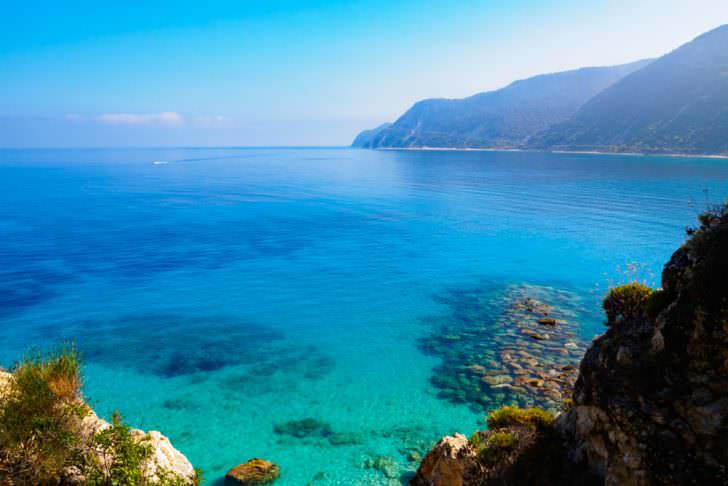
(650,404)
(88,440)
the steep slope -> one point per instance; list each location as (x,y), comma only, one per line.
(503,118)
(651,401)
(364,139)
(678,103)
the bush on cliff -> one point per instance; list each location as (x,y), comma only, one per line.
(511,416)
(513,431)
(521,447)
(40,418)
(122,458)
(44,439)
(626,302)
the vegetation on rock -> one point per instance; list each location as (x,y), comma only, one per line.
(626,302)
(510,416)
(41,418)
(520,447)
(48,435)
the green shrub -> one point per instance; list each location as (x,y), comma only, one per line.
(42,435)
(40,417)
(627,302)
(122,458)
(496,446)
(513,416)
(502,439)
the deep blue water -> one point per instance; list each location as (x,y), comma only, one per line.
(226,291)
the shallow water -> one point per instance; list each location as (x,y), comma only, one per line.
(227,292)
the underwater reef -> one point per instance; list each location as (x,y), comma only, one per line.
(518,345)
(650,404)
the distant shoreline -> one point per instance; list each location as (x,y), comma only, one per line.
(585,152)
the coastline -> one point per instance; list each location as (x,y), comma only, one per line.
(582,152)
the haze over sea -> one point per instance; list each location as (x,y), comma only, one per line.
(217,293)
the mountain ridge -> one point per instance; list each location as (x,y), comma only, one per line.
(624,108)
(501,118)
(643,113)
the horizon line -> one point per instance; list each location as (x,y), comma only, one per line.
(186,147)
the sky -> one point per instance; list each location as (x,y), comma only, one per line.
(295,73)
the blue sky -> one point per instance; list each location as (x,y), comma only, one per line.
(90,73)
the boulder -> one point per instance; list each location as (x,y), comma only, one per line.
(450,463)
(255,471)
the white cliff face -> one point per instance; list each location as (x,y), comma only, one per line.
(164,459)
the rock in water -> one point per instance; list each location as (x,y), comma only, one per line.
(255,471)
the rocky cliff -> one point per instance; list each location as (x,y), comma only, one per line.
(651,400)
(650,405)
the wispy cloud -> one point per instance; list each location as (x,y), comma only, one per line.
(163,118)
(212,120)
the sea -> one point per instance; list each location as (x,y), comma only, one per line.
(274,302)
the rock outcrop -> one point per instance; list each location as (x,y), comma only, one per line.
(650,405)
(164,459)
(452,461)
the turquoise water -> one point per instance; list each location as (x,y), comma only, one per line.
(224,292)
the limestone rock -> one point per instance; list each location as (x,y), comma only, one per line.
(166,457)
(450,463)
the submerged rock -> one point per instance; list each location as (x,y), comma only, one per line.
(501,346)
(307,427)
(344,439)
(253,472)
(384,464)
